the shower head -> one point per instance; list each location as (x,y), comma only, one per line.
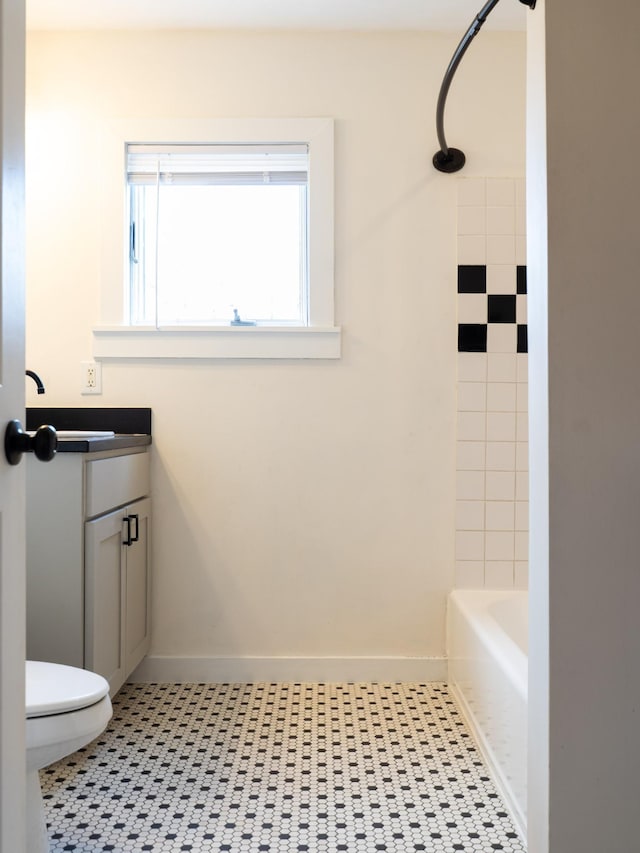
(452,159)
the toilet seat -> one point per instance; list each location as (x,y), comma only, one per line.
(53,688)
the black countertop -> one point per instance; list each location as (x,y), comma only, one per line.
(132,427)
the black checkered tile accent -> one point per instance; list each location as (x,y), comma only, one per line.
(481,310)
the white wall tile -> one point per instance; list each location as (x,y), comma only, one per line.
(498,574)
(500,515)
(522,456)
(502,278)
(502,337)
(472,397)
(501,396)
(470,456)
(522,397)
(472,250)
(492,511)
(522,366)
(501,456)
(501,220)
(522,426)
(472,191)
(521,575)
(472,426)
(521,308)
(522,545)
(472,220)
(522,486)
(469,574)
(500,485)
(472,308)
(501,249)
(469,515)
(469,545)
(470,485)
(501,426)
(502,366)
(522,515)
(499,545)
(472,366)
(501,191)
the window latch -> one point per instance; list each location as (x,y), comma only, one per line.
(238,321)
(132,243)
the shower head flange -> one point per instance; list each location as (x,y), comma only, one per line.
(453,161)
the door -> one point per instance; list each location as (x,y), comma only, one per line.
(12,492)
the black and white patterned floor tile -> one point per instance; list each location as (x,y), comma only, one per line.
(279,768)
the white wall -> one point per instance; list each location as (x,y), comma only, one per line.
(585,463)
(301,508)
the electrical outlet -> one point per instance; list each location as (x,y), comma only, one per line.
(91,377)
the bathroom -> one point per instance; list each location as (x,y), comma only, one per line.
(351,566)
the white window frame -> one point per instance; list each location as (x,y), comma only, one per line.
(116,338)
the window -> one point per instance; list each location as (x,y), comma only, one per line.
(226,243)
(218,234)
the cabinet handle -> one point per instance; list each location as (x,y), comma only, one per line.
(136,535)
(127,538)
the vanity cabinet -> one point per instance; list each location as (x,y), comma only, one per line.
(88,561)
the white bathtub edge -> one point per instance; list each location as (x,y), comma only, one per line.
(499,645)
(493,766)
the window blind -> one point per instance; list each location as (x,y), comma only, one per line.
(217,164)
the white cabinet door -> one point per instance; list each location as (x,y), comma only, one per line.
(137,586)
(117,567)
(104,597)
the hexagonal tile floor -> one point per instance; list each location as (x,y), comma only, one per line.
(247,768)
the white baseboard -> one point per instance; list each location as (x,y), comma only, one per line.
(180,670)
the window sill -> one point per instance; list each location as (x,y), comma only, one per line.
(142,342)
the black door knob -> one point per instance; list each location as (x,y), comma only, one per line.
(17,442)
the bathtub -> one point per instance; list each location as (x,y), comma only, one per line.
(487,646)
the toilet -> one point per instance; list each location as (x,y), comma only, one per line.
(66,709)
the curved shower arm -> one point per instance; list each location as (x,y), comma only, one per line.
(452,159)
